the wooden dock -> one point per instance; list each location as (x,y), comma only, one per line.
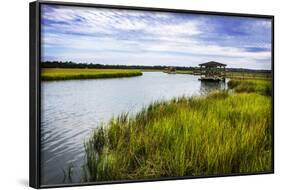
(212,79)
(212,71)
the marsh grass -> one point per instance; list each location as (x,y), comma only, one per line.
(263,87)
(67,173)
(211,135)
(249,75)
(48,74)
(184,72)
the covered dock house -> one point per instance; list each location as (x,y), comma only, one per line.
(170,70)
(212,71)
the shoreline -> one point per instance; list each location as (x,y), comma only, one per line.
(55,74)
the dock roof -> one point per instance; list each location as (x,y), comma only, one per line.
(213,64)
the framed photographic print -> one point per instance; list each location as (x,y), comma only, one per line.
(130,94)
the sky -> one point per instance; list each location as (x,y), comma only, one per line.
(129,37)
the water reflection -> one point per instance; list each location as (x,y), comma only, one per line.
(209,86)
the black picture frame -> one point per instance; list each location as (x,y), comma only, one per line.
(35,88)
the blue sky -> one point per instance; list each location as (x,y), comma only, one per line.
(112,36)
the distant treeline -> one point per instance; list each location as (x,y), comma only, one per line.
(58,64)
(70,64)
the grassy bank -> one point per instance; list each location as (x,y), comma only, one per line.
(66,74)
(250,85)
(151,70)
(221,133)
(184,72)
(248,75)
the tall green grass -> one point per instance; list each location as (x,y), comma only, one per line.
(263,87)
(249,75)
(48,74)
(213,135)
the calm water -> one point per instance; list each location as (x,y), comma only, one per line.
(71,109)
